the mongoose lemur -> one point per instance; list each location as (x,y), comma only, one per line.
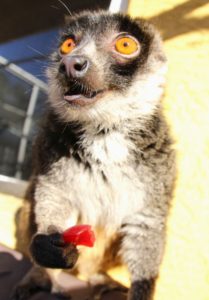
(103,155)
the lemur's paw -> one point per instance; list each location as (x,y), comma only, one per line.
(25,291)
(51,251)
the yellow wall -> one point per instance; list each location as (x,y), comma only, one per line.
(8,207)
(185,29)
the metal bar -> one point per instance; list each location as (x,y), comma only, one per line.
(13,109)
(19,72)
(118,6)
(26,128)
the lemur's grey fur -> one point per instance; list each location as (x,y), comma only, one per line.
(106,161)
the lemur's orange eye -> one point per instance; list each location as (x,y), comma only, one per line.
(126,45)
(67,46)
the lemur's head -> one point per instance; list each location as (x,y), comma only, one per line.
(108,69)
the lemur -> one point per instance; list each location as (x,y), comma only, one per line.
(103,155)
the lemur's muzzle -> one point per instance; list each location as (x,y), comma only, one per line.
(75,66)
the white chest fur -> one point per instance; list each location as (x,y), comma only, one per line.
(109,201)
(109,149)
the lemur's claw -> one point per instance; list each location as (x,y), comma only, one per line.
(51,251)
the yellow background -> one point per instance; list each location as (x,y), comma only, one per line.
(184,26)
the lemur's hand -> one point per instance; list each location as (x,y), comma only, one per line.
(51,251)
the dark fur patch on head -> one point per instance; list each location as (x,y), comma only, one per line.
(93,22)
(142,31)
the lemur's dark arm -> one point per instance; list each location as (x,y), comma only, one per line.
(49,200)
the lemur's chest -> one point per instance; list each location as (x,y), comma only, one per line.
(105,186)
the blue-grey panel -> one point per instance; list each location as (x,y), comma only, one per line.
(31,52)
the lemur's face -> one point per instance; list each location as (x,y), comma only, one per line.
(106,68)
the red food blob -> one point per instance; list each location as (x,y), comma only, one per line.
(79,235)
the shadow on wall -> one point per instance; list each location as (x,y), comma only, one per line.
(174,22)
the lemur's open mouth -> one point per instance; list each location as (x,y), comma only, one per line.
(80,94)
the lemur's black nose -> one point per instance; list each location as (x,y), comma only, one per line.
(75,66)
